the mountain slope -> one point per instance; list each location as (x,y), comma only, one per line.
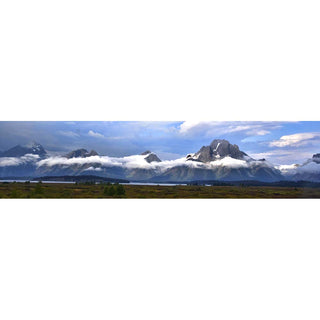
(150,156)
(81,153)
(19,151)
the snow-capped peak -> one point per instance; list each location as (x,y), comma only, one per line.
(218,149)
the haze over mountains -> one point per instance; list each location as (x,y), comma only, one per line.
(220,161)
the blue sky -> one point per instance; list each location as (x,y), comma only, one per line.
(279,142)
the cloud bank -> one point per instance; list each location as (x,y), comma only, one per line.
(139,162)
(17,161)
(293,169)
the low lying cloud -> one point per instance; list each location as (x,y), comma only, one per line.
(139,162)
(130,162)
(310,167)
(297,139)
(17,161)
(293,169)
(98,163)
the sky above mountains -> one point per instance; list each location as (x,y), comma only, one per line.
(278,142)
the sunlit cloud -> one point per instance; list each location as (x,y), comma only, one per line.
(213,128)
(297,139)
(94,134)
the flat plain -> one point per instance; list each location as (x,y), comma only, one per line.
(17,190)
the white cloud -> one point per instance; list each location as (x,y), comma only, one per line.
(263,132)
(139,162)
(186,126)
(17,161)
(283,156)
(69,134)
(94,134)
(79,161)
(136,161)
(288,169)
(308,167)
(230,162)
(237,128)
(297,139)
(213,128)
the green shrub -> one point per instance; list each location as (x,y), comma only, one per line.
(120,191)
(111,191)
(38,189)
(106,191)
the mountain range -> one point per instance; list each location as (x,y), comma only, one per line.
(220,161)
(19,151)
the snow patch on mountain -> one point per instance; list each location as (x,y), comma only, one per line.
(93,169)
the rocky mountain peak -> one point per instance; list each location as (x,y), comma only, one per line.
(93,153)
(37,148)
(81,153)
(150,156)
(145,153)
(316,158)
(218,149)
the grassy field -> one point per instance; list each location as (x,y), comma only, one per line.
(83,191)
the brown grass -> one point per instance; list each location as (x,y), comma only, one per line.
(72,191)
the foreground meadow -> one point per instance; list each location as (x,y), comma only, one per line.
(86,191)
